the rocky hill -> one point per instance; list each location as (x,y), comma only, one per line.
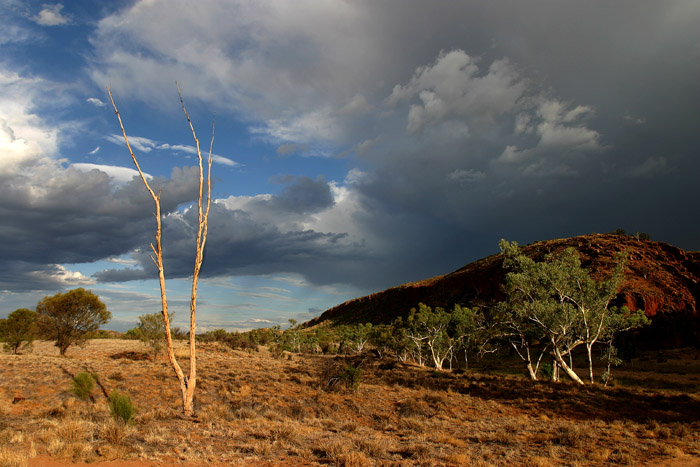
(661,279)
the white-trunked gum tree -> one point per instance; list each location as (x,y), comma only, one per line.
(188,383)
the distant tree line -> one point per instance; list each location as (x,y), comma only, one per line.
(552,307)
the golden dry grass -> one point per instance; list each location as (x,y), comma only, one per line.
(255,409)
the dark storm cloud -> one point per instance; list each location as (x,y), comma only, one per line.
(252,238)
(238,245)
(465,121)
(304,196)
(63,215)
(524,120)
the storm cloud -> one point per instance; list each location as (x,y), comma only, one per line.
(459,123)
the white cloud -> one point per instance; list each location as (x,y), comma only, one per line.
(224,160)
(193,150)
(124,261)
(62,277)
(454,87)
(275,63)
(299,128)
(120,175)
(12,32)
(139,143)
(50,15)
(24,137)
(560,130)
(146,145)
(95,101)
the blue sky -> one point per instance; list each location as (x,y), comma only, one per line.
(359,145)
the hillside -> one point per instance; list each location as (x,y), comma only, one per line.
(661,279)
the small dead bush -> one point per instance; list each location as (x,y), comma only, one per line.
(571,435)
(114,432)
(414,408)
(337,376)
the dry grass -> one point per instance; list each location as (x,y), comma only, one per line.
(255,409)
(10,457)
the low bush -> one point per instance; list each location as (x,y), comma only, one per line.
(121,407)
(83,383)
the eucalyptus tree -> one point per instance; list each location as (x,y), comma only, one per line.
(535,292)
(559,303)
(525,337)
(593,299)
(438,331)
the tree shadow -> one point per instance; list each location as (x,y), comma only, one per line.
(565,399)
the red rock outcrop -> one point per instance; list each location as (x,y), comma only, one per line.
(661,279)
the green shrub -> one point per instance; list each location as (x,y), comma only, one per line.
(82,385)
(351,376)
(121,407)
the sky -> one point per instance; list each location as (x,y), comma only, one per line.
(358,145)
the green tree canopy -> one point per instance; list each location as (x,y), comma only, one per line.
(69,318)
(18,330)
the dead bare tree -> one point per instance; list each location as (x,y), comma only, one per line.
(188,383)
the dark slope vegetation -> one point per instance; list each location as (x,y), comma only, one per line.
(660,278)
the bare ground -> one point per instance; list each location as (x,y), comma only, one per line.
(257,410)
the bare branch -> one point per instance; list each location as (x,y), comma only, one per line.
(128,145)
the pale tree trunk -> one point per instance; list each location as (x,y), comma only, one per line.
(437,359)
(589,349)
(418,342)
(531,371)
(187,383)
(562,364)
(571,360)
(527,358)
(528,364)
